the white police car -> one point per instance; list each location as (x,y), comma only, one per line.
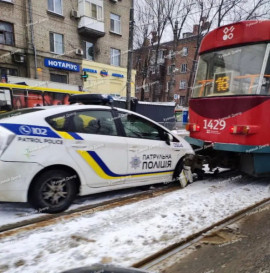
(50,155)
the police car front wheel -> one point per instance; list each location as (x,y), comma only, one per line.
(53,191)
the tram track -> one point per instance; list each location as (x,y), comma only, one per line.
(49,219)
(160,256)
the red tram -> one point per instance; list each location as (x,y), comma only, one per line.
(230,104)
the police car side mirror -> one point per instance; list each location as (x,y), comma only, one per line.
(168,138)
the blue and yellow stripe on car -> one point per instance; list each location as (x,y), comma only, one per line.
(98,165)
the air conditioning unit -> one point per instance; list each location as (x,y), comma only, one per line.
(114,1)
(75,14)
(18,57)
(79,51)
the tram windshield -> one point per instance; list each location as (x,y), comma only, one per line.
(234,71)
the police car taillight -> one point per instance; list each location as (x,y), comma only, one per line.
(243,129)
(6,138)
(193,127)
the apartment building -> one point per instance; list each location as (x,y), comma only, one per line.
(104,27)
(153,77)
(58,41)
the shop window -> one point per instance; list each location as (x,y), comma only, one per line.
(58,78)
(8,71)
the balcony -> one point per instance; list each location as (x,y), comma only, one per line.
(90,26)
(91,18)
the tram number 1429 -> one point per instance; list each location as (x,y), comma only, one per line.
(214,124)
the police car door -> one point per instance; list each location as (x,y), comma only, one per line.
(93,143)
(150,158)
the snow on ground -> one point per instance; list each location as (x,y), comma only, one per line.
(126,234)
(11,213)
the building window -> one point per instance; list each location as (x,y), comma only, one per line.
(182,84)
(56,43)
(152,69)
(89,51)
(171,53)
(168,87)
(115,23)
(55,6)
(8,71)
(161,54)
(58,78)
(115,57)
(195,66)
(183,68)
(160,57)
(6,33)
(181,100)
(94,11)
(184,51)
(170,69)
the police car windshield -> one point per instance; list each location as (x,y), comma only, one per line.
(18,112)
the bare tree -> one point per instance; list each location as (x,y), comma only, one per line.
(151,21)
(153,16)
(142,35)
(177,12)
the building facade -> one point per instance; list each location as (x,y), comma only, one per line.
(57,40)
(153,76)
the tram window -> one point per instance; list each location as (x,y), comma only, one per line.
(266,80)
(19,98)
(34,98)
(54,98)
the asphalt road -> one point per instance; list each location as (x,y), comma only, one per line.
(242,247)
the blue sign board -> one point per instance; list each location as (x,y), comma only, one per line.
(64,65)
(117,75)
(89,70)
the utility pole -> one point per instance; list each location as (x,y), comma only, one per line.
(130,55)
(172,78)
(31,24)
(192,72)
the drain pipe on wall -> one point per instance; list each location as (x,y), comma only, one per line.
(32,35)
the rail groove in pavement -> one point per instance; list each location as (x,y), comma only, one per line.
(170,250)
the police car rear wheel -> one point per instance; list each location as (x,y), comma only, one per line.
(53,191)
